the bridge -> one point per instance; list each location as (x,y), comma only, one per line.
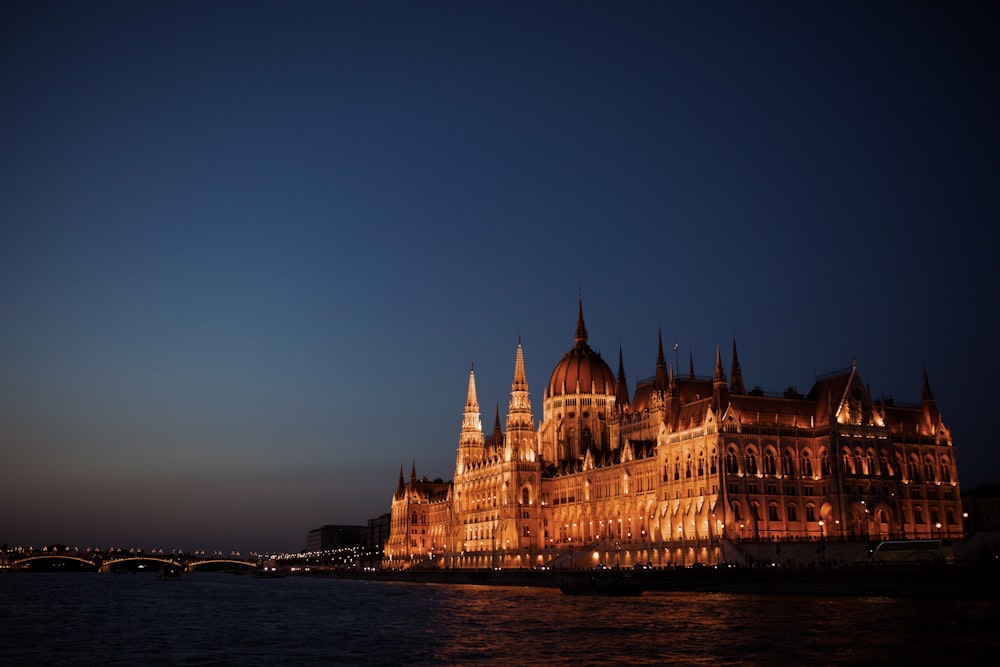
(99,562)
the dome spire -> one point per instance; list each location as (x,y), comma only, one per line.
(581,329)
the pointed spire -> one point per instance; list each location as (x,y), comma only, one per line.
(926,394)
(401,485)
(413,472)
(736,383)
(621,386)
(497,433)
(691,362)
(720,391)
(581,329)
(471,402)
(471,438)
(931,416)
(660,379)
(672,382)
(520,380)
(720,372)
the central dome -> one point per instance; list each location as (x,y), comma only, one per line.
(581,365)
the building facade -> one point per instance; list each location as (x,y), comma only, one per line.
(326,538)
(678,471)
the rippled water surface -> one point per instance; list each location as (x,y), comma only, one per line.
(225,619)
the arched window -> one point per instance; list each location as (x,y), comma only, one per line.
(786,464)
(886,465)
(525,496)
(918,514)
(848,462)
(929,470)
(945,470)
(732,462)
(701,465)
(751,463)
(711,462)
(677,469)
(807,465)
(687,468)
(790,512)
(911,469)
(772,512)
(824,463)
(769,462)
(859,461)
(810,512)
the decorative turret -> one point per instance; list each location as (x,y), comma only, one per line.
(497,441)
(660,379)
(674,393)
(736,382)
(720,392)
(931,416)
(621,395)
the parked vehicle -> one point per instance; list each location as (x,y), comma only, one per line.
(914,552)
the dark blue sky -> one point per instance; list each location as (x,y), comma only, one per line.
(250,249)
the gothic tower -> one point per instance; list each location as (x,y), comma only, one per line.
(520,421)
(471,443)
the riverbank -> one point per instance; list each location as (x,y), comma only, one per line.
(971,582)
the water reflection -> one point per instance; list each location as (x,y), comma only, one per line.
(226,619)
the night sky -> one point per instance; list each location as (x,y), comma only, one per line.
(250,250)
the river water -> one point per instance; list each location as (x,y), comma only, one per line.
(226,619)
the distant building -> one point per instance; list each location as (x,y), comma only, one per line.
(982,506)
(377,533)
(685,467)
(329,537)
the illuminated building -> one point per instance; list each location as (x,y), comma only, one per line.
(674,474)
